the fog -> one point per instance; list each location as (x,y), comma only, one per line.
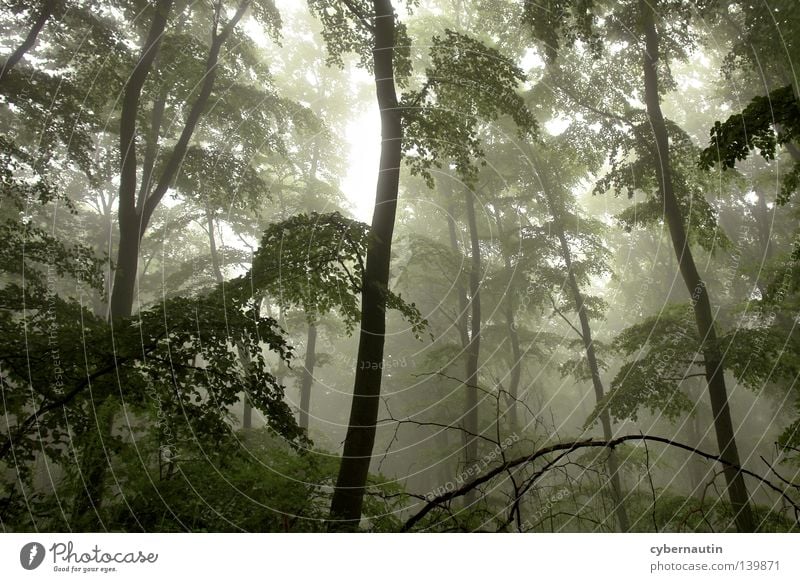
(386,266)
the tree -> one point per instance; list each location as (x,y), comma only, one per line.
(767,122)
(38,19)
(438,121)
(701,302)
(347,498)
(579,305)
(136,210)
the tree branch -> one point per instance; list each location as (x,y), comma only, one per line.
(564,317)
(574,446)
(358,14)
(48,8)
(198,107)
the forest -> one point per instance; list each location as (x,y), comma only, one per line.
(399,266)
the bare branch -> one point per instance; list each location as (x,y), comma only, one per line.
(564,317)
(574,446)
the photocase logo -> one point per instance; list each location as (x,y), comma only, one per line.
(31,555)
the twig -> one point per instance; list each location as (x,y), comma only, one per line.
(652,487)
(779,476)
(576,445)
(564,317)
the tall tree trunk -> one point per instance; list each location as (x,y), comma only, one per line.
(130,222)
(516,357)
(124,289)
(591,358)
(557,212)
(247,414)
(244,355)
(308,375)
(513,336)
(48,7)
(715,377)
(463,306)
(151,149)
(696,466)
(474,346)
(135,215)
(247,407)
(348,496)
(462,322)
(311,339)
(216,265)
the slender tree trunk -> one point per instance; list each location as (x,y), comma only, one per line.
(463,306)
(124,289)
(48,7)
(471,423)
(516,355)
(348,496)
(244,355)
(693,430)
(513,336)
(212,244)
(247,407)
(594,368)
(247,414)
(151,149)
(764,226)
(723,424)
(311,338)
(308,375)
(103,244)
(557,212)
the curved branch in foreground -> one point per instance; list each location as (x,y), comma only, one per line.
(574,446)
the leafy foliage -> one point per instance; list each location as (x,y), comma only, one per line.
(348,28)
(316,261)
(767,122)
(554,22)
(466,82)
(665,351)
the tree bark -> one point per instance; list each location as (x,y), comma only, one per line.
(513,336)
(244,355)
(48,7)
(516,356)
(463,306)
(133,217)
(308,376)
(723,424)
(130,223)
(696,469)
(591,358)
(151,150)
(247,407)
(348,495)
(311,338)
(212,244)
(471,424)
